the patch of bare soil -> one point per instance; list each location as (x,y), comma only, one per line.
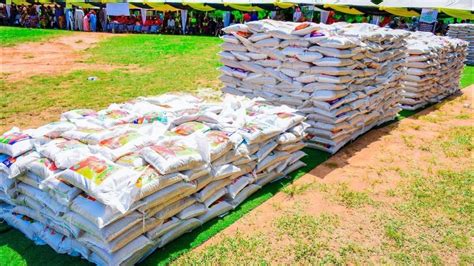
(52,56)
(373,164)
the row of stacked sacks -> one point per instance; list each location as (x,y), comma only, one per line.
(464,31)
(434,67)
(343,78)
(112,186)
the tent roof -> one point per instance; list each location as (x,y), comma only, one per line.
(451,4)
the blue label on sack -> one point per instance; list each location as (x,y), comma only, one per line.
(7,160)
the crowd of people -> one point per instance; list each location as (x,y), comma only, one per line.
(197,23)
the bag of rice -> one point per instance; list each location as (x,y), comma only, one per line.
(185,226)
(64,153)
(15,143)
(218,209)
(109,183)
(116,147)
(177,154)
(12,167)
(78,114)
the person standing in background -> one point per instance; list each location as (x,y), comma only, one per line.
(103,19)
(93,21)
(69,20)
(59,13)
(85,22)
(78,19)
(297,15)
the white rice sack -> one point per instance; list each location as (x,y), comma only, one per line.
(333,62)
(256,131)
(61,191)
(203,181)
(238,185)
(7,186)
(179,190)
(334,71)
(15,143)
(12,167)
(271,42)
(334,52)
(256,56)
(128,255)
(292,51)
(215,197)
(109,183)
(171,208)
(305,28)
(43,198)
(78,114)
(197,209)
(51,130)
(272,159)
(215,210)
(208,191)
(265,150)
(151,181)
(42,167)
(96,212)
(336,42)
(108,233)
(227,46)
(116,147)
(132,160)
(328,95)
(220,142)
(177,154)
(184,227)
(90,134)
(224,171)
(280,34)
(309,56)
(227,55)
(287,138)
(244,194)
(236,28)
(293,167)
(240,56)
(164,228)
(295,43)
(259,36)
(30,179)
(29,227)
(199,172)
(188,128)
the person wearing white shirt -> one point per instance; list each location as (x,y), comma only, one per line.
(171,25)
(78,19)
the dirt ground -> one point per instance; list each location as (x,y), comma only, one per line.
(53,56)
(374,165)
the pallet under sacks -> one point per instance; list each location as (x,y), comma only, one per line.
(344,78)
(114,185)
(434,67)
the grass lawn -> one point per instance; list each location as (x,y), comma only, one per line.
(10,36)
(145,65)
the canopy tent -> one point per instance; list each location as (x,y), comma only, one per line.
(463,9)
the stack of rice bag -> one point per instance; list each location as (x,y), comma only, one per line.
(344,78)
(434,68)
(112,186)
(464,31)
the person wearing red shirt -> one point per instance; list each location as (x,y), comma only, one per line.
(247,17)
